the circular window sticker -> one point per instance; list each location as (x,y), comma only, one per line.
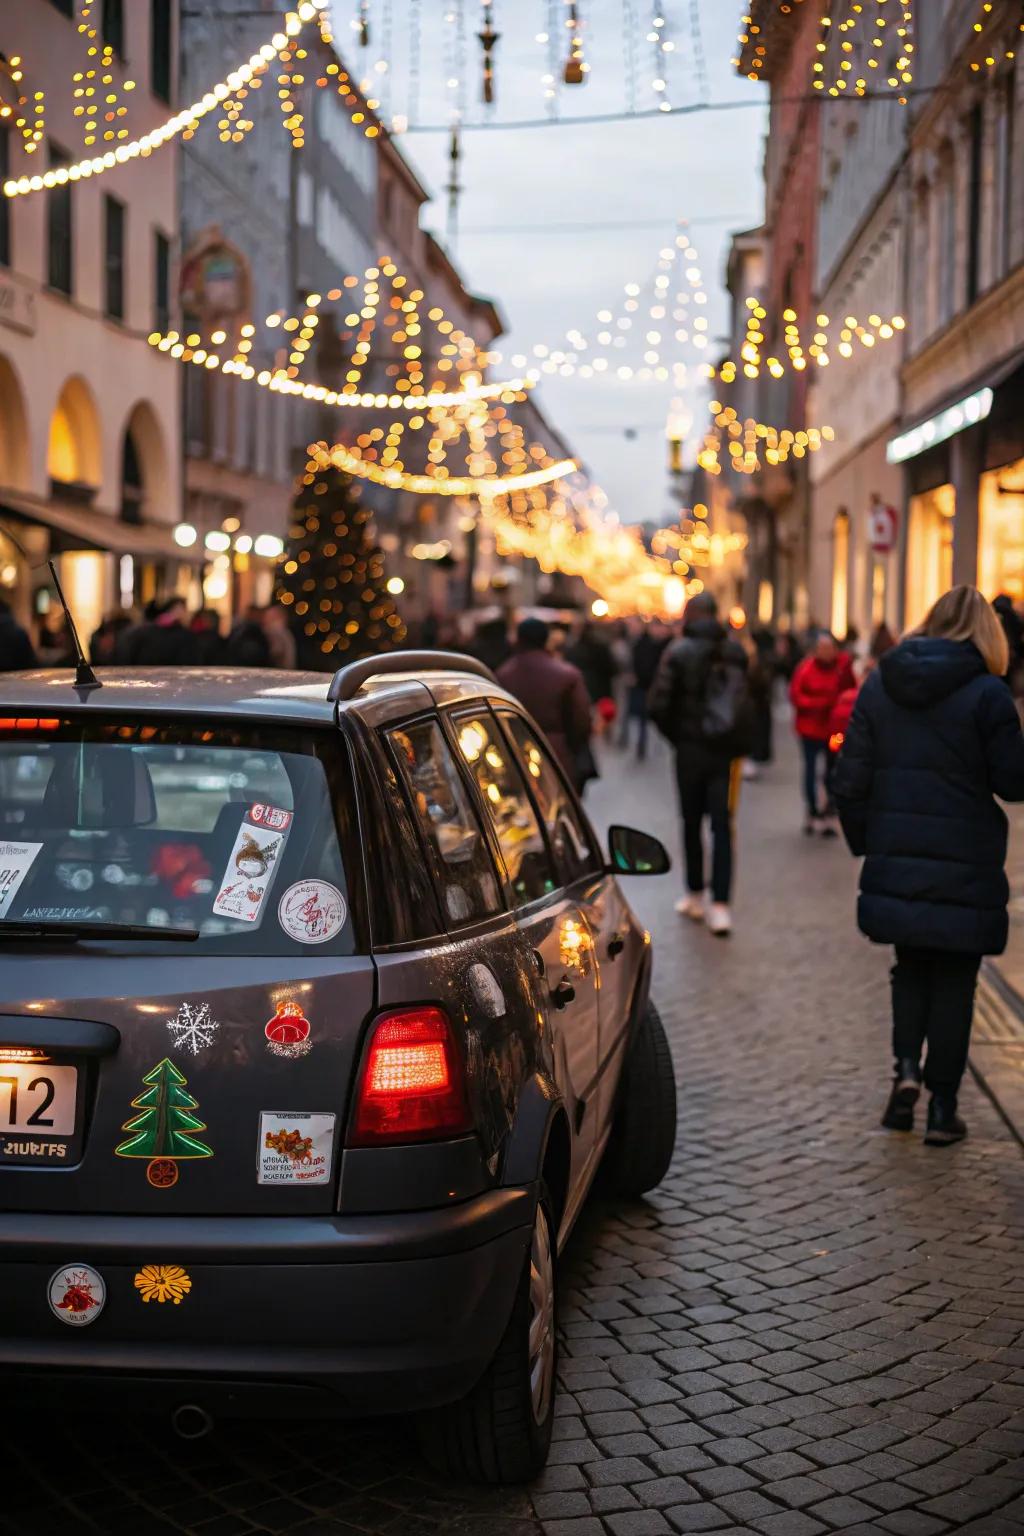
(312,911)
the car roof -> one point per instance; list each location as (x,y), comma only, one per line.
(248,693)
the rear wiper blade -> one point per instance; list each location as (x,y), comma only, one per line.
(29,930)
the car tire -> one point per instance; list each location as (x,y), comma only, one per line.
(501,1431)
(643,1136)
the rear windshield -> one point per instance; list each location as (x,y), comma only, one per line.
(230,833)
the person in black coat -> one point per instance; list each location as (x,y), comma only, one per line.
(934,737)
(700,702)
(16,650)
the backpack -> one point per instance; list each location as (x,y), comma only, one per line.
(727,721)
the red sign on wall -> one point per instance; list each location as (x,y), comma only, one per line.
(883,526)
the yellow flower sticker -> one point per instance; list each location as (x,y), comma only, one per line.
(163,1282)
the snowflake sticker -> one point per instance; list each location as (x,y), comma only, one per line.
(194,1028)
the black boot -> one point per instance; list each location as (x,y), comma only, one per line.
(944,1124)
(899,1112)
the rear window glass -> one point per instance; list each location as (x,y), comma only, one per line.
(229,834)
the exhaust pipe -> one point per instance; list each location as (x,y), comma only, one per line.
(190,1422)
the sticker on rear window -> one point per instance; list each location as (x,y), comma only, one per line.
(312,911)
(16,860)
(252,863)
(295,1148)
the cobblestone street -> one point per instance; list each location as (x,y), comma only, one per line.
(813,1326)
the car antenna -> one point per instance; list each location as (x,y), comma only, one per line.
(85,677)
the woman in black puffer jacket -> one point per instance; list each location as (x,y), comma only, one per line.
(934,737)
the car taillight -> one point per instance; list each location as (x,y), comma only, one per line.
(412,1086)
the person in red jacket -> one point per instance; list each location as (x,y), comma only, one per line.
(817,683)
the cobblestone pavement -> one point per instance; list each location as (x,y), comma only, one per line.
(812,1327)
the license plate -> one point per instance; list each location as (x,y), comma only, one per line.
(37,1099)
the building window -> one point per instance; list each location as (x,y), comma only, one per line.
(947,238)
(160,48)
(5,202)
(929,550)
(132,490)
(976,138)
(112,26)
(114,238)
(1006,149)
(60,231)
(161,281)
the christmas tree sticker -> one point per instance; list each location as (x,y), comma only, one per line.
(331,576)
(165,1128)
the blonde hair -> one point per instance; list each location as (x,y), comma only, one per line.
(963,614)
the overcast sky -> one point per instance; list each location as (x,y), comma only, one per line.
(638,177)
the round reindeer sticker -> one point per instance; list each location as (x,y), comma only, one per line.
(312,911)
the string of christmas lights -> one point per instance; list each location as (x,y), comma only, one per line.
(485,488)
(819,352)
(186,119)
(1007,52)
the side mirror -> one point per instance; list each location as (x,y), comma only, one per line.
(636,853)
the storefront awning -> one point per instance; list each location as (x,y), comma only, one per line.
(964,407)
(88,529)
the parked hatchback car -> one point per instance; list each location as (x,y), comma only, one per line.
(319,1008)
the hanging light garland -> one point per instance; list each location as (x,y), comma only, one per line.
(1007,51)
(407,392)
(428,485)
(26,111)
(186,118)
(819,352)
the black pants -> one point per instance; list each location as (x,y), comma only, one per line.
(933,1001)
(704,791)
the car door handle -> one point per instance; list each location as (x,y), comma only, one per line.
(539,963)
(564,993)
(616,944)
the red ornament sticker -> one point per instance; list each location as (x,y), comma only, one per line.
(288,1031)
(77,1295)
(312,911)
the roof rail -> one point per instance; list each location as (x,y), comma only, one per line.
(348,680)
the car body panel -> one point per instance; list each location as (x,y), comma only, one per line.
(234,1079)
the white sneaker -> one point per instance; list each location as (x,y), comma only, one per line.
(692,906)
(719,920)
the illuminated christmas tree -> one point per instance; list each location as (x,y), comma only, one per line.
(331,575)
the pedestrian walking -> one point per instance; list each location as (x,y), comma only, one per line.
(934,737)
(554,692)
(280,640)
(648,650)
(817,683)
(208,641)
(163,639)
(592,654)
(247,644)
(16,649)
(700,702)
(103,645)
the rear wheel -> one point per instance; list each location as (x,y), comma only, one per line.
(643,1138)
(501,1431)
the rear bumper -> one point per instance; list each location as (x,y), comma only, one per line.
(367,1314)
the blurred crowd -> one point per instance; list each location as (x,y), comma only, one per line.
(163,634)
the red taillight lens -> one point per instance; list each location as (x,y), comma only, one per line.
(411,1087)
